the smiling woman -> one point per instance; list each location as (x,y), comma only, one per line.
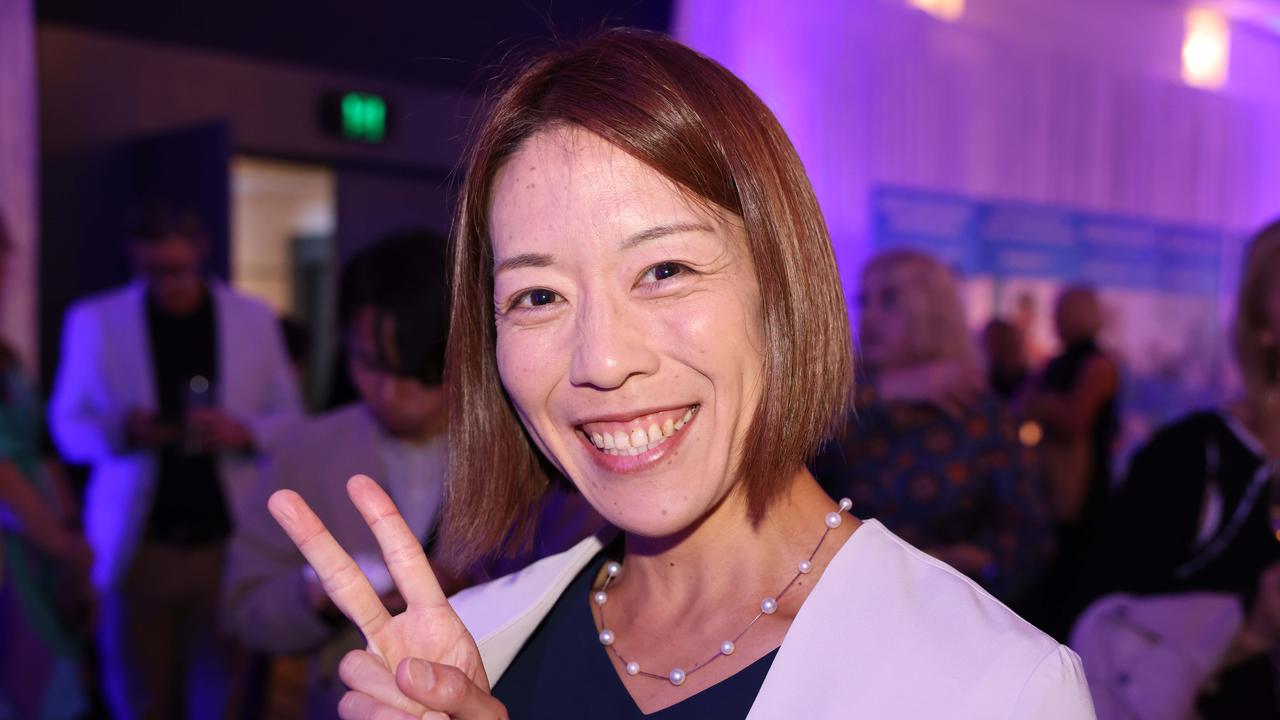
(727,185)
(646,306)
(647,310)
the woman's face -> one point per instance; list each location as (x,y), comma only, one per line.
(890,308)
(629,331)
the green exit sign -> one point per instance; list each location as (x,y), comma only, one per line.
(356,116)
(364,117)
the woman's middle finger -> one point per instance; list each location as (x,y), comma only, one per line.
(401,549)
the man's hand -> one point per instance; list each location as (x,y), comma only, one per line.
(144,430)
(211,430)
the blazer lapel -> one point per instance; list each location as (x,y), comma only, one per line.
(808,664)
(501,615)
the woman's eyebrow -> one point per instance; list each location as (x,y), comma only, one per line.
(524,260)
(541,260)
(659,231)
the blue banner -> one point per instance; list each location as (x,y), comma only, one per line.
(1007,239)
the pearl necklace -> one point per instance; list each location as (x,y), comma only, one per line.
(768,606)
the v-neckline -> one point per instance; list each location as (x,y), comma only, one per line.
(601,653)
(601,656)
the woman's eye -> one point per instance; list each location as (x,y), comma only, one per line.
(662,271)
(536,298)
(541,297)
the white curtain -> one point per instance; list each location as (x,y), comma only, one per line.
(1075,103)
(19,185)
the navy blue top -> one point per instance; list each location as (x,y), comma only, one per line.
(564,672)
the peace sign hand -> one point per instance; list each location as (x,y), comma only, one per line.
(436,665)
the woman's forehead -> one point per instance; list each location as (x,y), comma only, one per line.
(570,165)
(569,180)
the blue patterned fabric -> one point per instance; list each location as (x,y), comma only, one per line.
(937,480)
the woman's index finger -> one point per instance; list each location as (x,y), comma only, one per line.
(342,579)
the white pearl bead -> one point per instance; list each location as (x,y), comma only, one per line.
(768,606)
(833,520)
(633,668)
(726,647)
(601,597)
(613,569)
(606,636)
(845,504)
(676,677)
(805,566)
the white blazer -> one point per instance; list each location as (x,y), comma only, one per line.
(888,632)
(106,371)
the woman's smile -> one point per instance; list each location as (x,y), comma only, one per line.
(632,442)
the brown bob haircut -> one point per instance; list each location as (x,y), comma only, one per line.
(1257,353)
(694,122)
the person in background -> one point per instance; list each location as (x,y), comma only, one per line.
(44,561)
(1076,407)
(394,320)
(297,343)
(1198,510)
(1008,371)
(1026,311)
(940,467)
(171,388)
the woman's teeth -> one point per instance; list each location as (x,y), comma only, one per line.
(639,440)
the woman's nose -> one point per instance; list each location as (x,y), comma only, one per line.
(610,344)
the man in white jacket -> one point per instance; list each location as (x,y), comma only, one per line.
(170,388)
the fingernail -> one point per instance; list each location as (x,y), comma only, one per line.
(420,674)
(279,506)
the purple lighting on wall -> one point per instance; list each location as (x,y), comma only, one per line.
(1058,103)
(805,77)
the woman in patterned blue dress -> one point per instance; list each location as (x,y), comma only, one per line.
(944,469)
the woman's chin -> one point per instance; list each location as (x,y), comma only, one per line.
(653,527)
(652,515)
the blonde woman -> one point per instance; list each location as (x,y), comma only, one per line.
(944,471)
